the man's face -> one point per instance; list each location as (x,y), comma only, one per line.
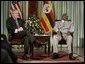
(15,14)
(65,17)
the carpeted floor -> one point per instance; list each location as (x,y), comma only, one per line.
(44,58)
(40,57)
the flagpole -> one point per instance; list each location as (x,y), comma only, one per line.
(50,40)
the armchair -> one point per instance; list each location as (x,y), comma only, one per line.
(14,41)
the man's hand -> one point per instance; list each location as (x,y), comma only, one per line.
(68,33)
(16,31)
(20,29)
(54,32)
(58,32)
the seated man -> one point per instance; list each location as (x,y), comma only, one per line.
(15,25)
(65,27)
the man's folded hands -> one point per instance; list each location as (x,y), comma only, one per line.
(19,29)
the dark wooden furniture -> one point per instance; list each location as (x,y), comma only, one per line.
(45,39)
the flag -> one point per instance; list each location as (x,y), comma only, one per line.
(16,5)
(47,17)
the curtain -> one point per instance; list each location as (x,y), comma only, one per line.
(4,16)
(74,9)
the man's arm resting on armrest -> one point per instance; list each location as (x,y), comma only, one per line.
(54,32)
(70,33)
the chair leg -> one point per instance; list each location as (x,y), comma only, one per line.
(31,50)
(61,46)
(72,47)
(45,49)
(52,48)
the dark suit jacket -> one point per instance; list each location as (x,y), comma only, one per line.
(11,25)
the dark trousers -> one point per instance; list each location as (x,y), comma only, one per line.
(27,37)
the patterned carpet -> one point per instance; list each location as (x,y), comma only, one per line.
(40,57)
(44,58)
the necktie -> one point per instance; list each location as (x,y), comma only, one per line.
(17,23)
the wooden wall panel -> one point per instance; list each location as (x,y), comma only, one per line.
(33,8)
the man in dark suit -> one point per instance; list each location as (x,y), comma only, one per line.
(15,25)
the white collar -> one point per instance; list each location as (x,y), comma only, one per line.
(63,21)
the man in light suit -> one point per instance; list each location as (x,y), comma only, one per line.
(65,27)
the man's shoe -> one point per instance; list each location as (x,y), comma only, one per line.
(71,56)
(55,55)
